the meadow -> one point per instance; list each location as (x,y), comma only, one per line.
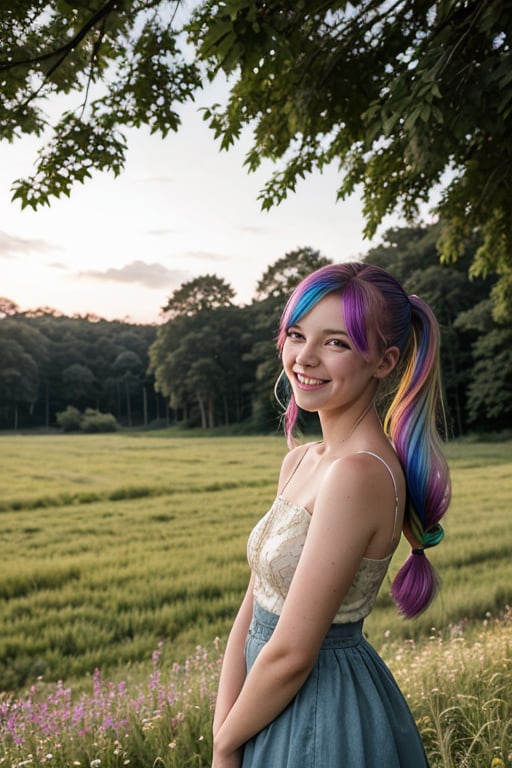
(122,559)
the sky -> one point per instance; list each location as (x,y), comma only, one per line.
(119,247)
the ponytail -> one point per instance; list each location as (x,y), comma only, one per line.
(411,424)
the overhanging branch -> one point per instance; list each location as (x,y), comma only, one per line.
(64,50)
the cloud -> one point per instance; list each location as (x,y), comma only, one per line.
(150,275)
(58,265)
(255,230)
(10,245)
(160,232)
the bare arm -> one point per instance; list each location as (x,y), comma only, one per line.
(346,515)
(233,666)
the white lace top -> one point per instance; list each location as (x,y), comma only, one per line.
(274,549)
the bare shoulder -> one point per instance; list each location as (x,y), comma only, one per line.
(364,475)
(290,461)
(294,454)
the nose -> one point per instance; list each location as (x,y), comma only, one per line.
(307,356)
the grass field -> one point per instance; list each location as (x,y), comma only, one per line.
(113,543)
(110,544)
(124,553)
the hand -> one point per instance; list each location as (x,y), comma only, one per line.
(232,760)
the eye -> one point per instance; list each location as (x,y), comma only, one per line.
(294,335)
(339,343)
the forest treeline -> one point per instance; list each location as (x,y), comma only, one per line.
(212,362)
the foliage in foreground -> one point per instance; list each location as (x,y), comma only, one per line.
(162,721)
(458,689)
(405,99)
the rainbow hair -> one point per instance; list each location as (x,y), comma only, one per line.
(377,308)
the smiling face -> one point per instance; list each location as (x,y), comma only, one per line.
(321,363)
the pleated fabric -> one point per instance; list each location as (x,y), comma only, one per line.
(349,713)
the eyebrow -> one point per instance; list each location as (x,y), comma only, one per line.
(336,331)
(327,331)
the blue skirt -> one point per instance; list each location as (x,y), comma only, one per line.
(349,713)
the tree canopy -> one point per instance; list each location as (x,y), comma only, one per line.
(51,361)
(201,293)
(120,66)
(411,99)
(408,98)
(281,277)
(215,363)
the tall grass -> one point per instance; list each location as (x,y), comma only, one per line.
(113,543)
(120,554)
(458,689)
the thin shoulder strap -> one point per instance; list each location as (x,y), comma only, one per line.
(376,455)
(295,468)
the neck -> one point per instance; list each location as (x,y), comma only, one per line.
(338,429)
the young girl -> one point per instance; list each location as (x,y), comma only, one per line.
(300,686)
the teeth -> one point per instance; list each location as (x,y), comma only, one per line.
(305,380)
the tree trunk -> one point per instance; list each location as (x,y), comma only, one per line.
(238,405)
(145,405)
(202,408)
(118,390)
(449,344)
(46,404)
(128,406)
(211,412)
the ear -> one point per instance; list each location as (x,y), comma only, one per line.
(387,362)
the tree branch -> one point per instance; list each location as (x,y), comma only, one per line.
(66,49)
(94,57)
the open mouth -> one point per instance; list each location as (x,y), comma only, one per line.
(308,381)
